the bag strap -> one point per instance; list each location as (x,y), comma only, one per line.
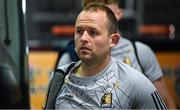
(55,85)
(136,54)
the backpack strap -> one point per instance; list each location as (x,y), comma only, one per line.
(136,54)
(55,85)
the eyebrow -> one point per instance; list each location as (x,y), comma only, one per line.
(86,28)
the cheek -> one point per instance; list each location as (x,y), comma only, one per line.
(102,45)
(76,40)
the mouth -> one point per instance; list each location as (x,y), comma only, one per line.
(84,49)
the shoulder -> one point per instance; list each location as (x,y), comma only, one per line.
(143,50)
(124,41)
(126,71)
(150,65)
(143,46)
(132,77)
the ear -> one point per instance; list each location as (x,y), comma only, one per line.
(114,39)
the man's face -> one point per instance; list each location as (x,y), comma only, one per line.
(91,36)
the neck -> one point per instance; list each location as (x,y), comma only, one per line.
(90,69)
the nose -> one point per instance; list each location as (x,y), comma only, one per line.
(85,36)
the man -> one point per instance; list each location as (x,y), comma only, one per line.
(99,81)
(145,61)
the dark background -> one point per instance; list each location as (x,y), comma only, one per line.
(42,15)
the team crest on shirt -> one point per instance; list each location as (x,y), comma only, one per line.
(106,100)
(127,60)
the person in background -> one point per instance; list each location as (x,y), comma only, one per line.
(97,80)
(145,61)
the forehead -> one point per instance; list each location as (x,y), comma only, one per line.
(92,17)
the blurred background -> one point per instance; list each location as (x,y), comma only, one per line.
(33,34)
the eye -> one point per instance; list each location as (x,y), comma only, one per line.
(79,31)
(93,33)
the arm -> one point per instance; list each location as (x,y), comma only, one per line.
(153,72)
(145,95)
(163,90)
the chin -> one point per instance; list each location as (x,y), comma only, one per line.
(85,59)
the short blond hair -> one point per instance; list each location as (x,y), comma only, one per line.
(112,23)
